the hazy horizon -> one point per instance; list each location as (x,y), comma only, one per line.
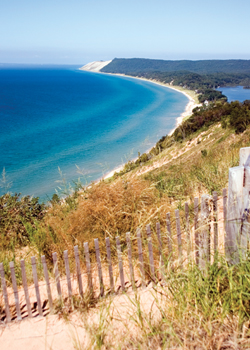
(80,31)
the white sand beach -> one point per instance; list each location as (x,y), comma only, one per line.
(98,65)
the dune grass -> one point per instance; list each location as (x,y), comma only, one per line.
(192,310)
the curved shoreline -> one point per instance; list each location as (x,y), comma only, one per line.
(187,112)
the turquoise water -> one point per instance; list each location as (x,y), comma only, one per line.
(236,93)
(85,123)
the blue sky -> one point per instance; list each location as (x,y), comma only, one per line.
(79,31)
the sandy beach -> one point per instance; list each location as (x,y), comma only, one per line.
(98,65)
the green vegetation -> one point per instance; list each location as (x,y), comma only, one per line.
(192,310)
(135,65)
(201,76)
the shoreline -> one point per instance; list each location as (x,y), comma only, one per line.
(187,112)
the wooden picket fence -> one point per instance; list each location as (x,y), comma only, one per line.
(148,266)
(159,250)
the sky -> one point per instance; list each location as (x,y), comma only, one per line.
(81,31)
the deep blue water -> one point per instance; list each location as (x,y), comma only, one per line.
(236,93)
(65,118)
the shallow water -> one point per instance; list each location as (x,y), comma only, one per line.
(63,117)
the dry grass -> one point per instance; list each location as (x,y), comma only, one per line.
(104,210)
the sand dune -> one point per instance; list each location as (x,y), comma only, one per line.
(95,66)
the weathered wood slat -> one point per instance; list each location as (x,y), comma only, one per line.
(245,215)
(169,234)
(215,223)
(235,209)
(224,195)
(120,264)
(150,251)
(47,281)
(88,266)
(158,232)
(111,276)
(196,232)
(16,296)
(67,270)
(131,268)
(188,229)
(57,276)
(141,263)
(5,294)
(205,232)
(244,156)
(99,265)
(25,288)
(78,270)
(35,279)
(178,230)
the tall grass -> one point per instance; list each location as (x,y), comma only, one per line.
(192,310)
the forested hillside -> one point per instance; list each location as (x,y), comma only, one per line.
(135,65)
(201,76)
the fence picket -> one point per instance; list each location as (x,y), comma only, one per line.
(119,253)
(57,276)
(196,232)
(111,276)
(150,251)
(98,260)
(205,232)
(188,230)
(141,263)
(215,223)
(78,270)
(35,279)
(169,234)
(178,229)
(5,294)
(131,268)
(14,284)
(88,266)
(224,195)
(67,270)
(25,288)
(46,275)
(158,232)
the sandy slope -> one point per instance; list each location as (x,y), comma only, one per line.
(95,66)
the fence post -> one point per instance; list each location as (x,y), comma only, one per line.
(119,253)
(14,284)
(196,232)
(235,210)
(57,276)
(141,257)
(88,266)
(5,294)
(150,251)
(78,270)
(131,268)
(46,275)
(25,288)
(98,260)
(205,232)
